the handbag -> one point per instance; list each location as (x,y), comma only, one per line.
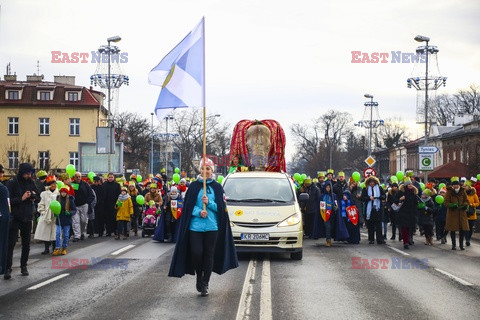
(470,211)
(396,207)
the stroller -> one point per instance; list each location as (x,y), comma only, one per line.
(150,217)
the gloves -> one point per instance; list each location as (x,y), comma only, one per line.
(453,205)
(67,213)
(464,206)
(421,205)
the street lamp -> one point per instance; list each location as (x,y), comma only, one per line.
(168,117)
(151,148)
(370,124)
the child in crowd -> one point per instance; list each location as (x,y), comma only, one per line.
(124,207)
(64,220)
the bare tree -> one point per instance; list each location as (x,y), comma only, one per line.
(392,132)
(468,101)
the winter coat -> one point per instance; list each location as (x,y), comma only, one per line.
(22,209)
(157,197)
(46,228)
(112,191)
(407,214)
(425,211)
(375,215)
(225,255)
(65,219)
(311,206)
(339,187)
(125,211)
(474,203)
(456,217)
(4,225)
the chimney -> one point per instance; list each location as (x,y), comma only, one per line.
(68,80)
(34,78)
(10,77)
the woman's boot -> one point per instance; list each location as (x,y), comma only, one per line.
(454,241)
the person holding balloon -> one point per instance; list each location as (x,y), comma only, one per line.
(456,202)
(46,228)
(441,216)
(63,208)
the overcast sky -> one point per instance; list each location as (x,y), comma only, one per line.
(265,59)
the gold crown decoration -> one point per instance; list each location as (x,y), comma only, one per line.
(409,173)
(330,171)
(341,174)
(321,174)
(454,179)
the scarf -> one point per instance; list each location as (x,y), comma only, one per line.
(123,197)
(375,192)
(345,204)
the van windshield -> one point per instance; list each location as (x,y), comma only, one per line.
(258,190)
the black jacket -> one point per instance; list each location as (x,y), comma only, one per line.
(225,256)
(22,210)
(112,191)
(312,205)
(339,187)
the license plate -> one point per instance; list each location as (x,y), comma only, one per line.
(255,236)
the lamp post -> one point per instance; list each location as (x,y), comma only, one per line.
(168,117)
(109,86)
(425,39)
(370,124)
(151,148)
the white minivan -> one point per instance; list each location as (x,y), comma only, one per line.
(264,212)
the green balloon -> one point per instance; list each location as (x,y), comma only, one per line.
(56,207)
(70,169)
(176,178)
(383,186)
(441,185)
(177,170)
(478,176)
(139,178)
(439,199)
(296,176)
(400,175)
(220,179)
(300,181)
(60,184)
(422,185)
(356,176)
(362,185)
(91,175)
(304,176)
(140,200)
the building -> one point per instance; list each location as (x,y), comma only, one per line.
(43,122)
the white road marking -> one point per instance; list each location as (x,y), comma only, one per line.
(122,250)
(451,276)
(41,284)
(266,292)
(399,251)
(244,305)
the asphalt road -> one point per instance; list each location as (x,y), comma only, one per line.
(127,279)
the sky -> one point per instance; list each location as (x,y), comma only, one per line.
(271,59)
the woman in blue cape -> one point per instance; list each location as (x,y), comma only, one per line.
(352,229)
(205,241)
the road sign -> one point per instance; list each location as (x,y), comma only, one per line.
(369,172)
(426,162)
(370,161)
(427,149)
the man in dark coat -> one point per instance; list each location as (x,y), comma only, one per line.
(225,256)
(97,187)
(340,186)
(84,201)
(112,191)
(23,195)
(310,207)
(407,196)
(373,196)
(4,220)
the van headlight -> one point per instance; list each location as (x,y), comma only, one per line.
(291,221)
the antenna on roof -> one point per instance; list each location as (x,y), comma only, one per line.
(9,69)
(38,67)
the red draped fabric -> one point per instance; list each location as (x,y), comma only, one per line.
(276,155)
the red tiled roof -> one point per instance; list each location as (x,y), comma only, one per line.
(448,170)
(30,89)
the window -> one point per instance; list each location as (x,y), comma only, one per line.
(73,96)
(12,159)
(44,95)
(74,126)
(44,126)
(74,159)
(43,157)
(12,125)
(13,95)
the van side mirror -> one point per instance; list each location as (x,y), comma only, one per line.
(303,196)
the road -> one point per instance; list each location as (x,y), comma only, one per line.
(128,278)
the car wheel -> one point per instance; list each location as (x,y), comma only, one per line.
(296,255)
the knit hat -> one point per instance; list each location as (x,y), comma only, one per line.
(463,179)
(173,189)
(427,192)
(473,179)
(207,162)
(64,176)
(183,180)
(407,182)
(151,203)
(50,180)
(308,181)
(124,189)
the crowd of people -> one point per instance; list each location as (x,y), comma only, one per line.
(88,207)
(434,209)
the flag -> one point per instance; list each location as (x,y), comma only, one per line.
(181,74)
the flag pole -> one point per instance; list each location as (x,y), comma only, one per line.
(204,119)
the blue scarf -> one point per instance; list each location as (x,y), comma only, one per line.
(345,204)
(375,192)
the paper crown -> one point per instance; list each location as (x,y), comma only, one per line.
(50,180)
(330,171)
(473,179)
(341,174)
(153,186)
(409,173)
(65,188)
(320,174)
(41,174)
(307,181)
(454,179)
